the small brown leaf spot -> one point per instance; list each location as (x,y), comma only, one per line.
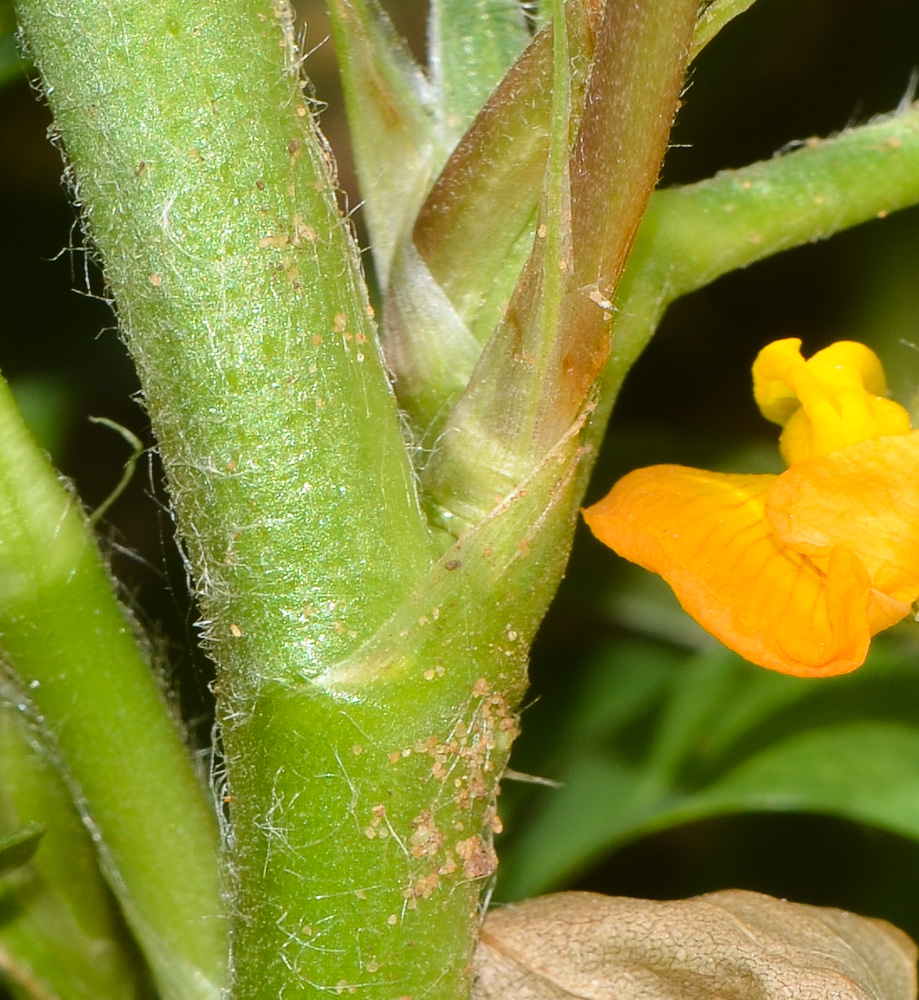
(369,310)
(542,230)
(494,821)
(426,885)
(343,986)
(426,839)
(429,675)
(320,403)
(370,833)
(894,142)
(488,552)
(260,184)
(602,301)
(747,185)
(293,147)
(301,111)
(395,757)
(291,190)
(392,920)
(140,169)
(231,465)
(480,688)
(756,238)
(882,214)
(338,628)
(479,859)
(155,280)
(452,564)
(423,620)
(357,749)
(359,338)
(235,630)
(339,322)
(317,339)
(448,867)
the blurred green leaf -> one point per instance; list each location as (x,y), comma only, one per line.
(472,44)
(17,848)
(399,131)
(62,936)
(712,735)
(47,403)
(12,66)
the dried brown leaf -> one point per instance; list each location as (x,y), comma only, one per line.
(731,945)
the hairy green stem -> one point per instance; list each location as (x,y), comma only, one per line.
(210,196)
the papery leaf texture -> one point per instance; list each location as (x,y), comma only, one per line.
(731,945)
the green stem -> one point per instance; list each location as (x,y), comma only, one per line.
(209,193)
(102,716)
(692,235)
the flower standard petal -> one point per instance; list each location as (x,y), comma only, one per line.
(834,399)
(708,536)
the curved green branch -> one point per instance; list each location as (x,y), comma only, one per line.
(692,235)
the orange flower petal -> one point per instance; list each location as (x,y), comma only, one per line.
(708,536)
(865,498)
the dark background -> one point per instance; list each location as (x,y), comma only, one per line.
(786,70)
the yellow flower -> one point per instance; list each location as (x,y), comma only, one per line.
(795,572)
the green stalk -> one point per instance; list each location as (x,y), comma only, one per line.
(209,194)
(102,719)
(692,235)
